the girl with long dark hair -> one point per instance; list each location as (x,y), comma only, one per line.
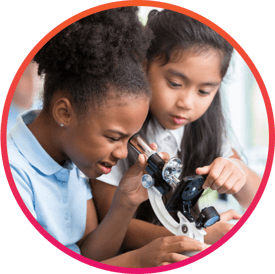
(186,63)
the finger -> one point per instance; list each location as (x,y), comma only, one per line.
(173,258)
(162,264)
(215,171)
(230,215)
(179,238)
(229,184)
(187,246)
(236,187)
(164,155)
(203,170)
(184,243)
(222,180)
(154,146)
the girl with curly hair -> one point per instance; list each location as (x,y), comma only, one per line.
(96,96)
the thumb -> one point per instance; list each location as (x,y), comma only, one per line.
(203,170)
(230,215)
(139,165)
(164,155)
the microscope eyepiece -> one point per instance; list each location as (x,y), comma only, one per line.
(140,146)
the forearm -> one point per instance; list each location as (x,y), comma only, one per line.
(248,191)
(105,241)
(129,259)
(140,233)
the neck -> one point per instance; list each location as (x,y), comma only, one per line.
(46,131)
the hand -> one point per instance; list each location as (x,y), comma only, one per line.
(130,188)
(224,175)
(167,250)
(219,229)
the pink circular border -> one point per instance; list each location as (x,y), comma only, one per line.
(122,269)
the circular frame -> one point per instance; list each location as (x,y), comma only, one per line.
(196,16)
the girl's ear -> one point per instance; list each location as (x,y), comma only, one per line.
(63,112)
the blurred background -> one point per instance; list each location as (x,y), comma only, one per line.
(243,106)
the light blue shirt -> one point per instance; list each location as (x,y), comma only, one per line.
(55,195)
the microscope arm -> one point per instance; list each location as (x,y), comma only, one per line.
(184,227)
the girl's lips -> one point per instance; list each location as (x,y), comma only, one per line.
(104,169)
(178,120)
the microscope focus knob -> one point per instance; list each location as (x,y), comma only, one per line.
(147,181)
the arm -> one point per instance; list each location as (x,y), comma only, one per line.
(139,233)
(104,241)
(161,251)
(232,176)
(219,229)
(250,188)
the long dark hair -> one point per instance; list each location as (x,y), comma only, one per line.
(202,140)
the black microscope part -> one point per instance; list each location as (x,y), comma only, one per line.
(207,217)
(186,196)
(154,168)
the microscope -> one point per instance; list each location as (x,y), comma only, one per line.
(163,178)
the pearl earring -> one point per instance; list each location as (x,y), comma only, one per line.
(62,125)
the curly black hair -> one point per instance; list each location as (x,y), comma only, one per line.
(101,52)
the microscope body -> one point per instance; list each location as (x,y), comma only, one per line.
(162,178)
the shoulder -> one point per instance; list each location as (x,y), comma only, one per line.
(16,158)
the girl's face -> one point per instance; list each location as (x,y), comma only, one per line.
(97,142)
(183,89)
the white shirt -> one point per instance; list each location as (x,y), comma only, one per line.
(168,141)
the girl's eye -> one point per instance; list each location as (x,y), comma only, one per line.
(204,92)
(114,139)
(173,84)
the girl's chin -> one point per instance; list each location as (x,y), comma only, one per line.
(171,126)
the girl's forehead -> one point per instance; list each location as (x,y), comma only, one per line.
(120,100)
(195,51)
(124,115)
(113,103)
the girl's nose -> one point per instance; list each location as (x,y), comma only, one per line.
(121,152)
(185,100)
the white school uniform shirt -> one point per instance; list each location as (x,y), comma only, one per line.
(168,141)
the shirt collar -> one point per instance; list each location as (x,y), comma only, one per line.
(161,133)
(31,148)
